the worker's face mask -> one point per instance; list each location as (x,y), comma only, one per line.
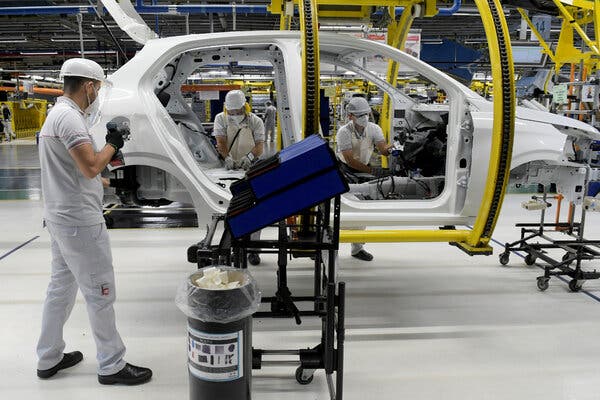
(361,121)
(236,119)
(92,111)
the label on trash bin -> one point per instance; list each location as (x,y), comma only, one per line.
(216,357)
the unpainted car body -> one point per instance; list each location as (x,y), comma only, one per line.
(171,158)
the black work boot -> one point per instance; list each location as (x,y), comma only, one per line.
(68,360)
(363,255)
(129,375)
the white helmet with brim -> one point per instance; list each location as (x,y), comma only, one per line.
(83,68)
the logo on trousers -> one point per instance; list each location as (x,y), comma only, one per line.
(105,290)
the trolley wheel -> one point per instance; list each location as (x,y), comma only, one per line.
(253,259)
(542,283)
(504,258)
(530,259)
(575,285)
(301,378)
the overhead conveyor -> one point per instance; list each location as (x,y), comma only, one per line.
(474,241)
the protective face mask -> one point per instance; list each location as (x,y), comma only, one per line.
(236,119)
(92,112)
(362,121)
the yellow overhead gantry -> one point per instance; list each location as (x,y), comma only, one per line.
(476,240)
(575,15)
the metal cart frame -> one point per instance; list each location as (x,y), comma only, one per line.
(577,249)
(316,238)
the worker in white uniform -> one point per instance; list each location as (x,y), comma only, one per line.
(270,121)
(81,256)
(240,133)
(355,142)
(240,138)
(7,115)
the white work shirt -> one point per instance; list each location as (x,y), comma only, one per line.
(252,121)
(69,197)
(348,138)
(242,137)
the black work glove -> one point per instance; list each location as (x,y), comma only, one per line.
(114,137)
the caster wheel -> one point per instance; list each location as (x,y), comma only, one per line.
(542,283)
(301,378)
(529,259)
(575,285)
(253,259)
(504,258)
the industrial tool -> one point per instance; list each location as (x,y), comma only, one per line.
(121,126)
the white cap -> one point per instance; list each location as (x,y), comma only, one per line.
(358,106)
(234,100)
(83,68)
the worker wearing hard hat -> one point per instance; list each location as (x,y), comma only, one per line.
(355,142)
(81,256)
(240,138)
(240,133)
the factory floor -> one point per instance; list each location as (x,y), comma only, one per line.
(424,321)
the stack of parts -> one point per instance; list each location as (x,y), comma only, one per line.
(215,279)
(297,178)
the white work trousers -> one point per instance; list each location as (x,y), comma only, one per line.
(8,130)
(355,248)
(81,257)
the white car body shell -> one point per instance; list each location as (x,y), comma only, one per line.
(156,140)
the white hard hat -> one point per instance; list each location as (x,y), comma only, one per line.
(358,106)
(234,100)
(83,68)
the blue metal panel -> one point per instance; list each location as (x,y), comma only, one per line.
(296,162)
(289,202)
(450,57)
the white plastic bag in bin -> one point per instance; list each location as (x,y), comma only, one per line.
(219,294)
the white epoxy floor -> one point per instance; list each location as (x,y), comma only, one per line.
(424,321)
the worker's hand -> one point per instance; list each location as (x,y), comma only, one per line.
(246,161)
(115,138)
(229,163)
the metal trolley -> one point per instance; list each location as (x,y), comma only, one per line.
(577,248)
(315,237)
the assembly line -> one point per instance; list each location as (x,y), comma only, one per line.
(300,199)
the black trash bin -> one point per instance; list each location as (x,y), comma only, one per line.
(220,335)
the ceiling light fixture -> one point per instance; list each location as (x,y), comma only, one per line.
(97,26)
(15,39)
(71,39)
(38,53)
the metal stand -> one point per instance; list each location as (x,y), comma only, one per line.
(317,238)
(577,249)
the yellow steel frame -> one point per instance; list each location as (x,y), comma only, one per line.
(397,33)
(310,125)
(575,14)
(538,35)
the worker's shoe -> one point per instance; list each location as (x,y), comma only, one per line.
(363,255)
(253,259)
(129,375)
(68,360)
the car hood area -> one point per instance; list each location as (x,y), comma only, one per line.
(566,125)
